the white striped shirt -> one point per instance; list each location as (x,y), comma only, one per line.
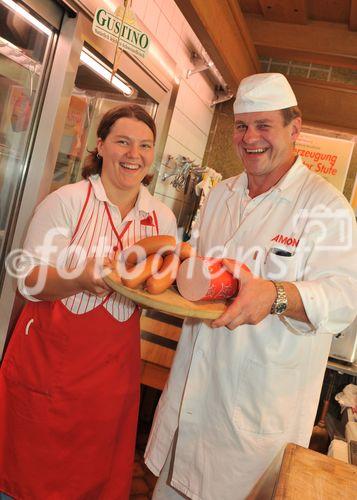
(80,223)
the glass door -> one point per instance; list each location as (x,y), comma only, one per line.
(24,52)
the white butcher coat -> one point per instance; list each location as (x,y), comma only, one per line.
(237,397)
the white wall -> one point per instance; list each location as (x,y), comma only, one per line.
(192,116)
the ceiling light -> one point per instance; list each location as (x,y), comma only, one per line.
(98,67)
(111,5)
(26,15)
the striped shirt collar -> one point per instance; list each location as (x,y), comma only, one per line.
(143,203)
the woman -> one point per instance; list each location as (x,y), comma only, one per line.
(69,384)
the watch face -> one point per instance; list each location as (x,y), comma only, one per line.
(280,308)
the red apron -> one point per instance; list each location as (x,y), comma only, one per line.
(70,389)
(69,398)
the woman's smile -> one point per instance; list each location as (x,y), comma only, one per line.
(130,166)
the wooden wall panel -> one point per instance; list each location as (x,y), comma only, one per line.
(324,103)
(335,11)
(251,6)
(153,375)
(334,40)
(353,16)
(293,11)
(339,61)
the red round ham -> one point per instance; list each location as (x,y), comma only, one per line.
(201,278)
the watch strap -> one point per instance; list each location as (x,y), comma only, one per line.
(281,302)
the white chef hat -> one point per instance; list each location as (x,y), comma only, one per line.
(264,92)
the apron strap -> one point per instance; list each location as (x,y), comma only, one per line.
(107,298)
(125,230)
(126,227)
(156,222)
(82,212)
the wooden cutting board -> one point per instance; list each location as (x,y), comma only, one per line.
(310,475)
(306,474)
(170,301)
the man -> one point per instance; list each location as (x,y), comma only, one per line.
(247,384)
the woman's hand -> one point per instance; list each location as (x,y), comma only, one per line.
(50,283)
(91,278)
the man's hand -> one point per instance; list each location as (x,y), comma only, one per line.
(254,300)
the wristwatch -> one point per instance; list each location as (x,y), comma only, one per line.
(280,304)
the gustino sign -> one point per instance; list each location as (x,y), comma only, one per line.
(110,27)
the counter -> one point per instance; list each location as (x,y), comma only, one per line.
(303,473)
(342,367)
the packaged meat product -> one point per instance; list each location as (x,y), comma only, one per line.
(202,278)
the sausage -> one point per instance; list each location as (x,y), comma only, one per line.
(160,281)
(184,250)
(136,275)
(148,246)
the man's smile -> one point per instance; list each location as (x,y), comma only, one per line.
(251,151)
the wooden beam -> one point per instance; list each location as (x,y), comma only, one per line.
(323,102)
(251,6)
(332,11)
(222,30)
(353,16)
(305,56)
(328,39)
(293,11)
(239,20)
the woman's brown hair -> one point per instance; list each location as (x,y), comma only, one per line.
(93,162)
